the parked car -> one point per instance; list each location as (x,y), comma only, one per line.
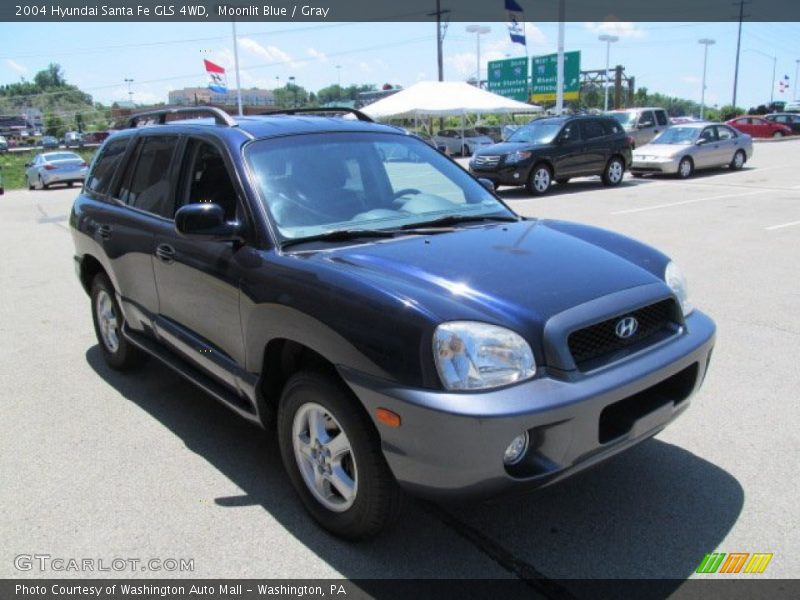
(3,144)
(48,143)
(556,149)
(95,137)
(73,139)
(48,168)
(495,132)
(642,124)
(759,127)
(466,145)
(792,107)
(791,120)
(428,139)
(682,149)
(397,324)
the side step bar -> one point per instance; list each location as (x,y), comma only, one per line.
(220,393)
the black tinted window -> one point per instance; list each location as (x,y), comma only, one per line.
(661,117)
(209,180)
(105,166)
(148,187)
(592,129)
(610,126)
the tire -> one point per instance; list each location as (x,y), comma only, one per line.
(465,151)
(562,181)
(42,186)
(685,167)
(777,135)
(70,183)
(738,160)
(614,171)
(118,351)
(311,396)
(31,187)
(539,179)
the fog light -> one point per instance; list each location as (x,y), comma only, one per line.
(516,449)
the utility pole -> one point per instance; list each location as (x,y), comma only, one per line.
(478,30)
(706,43)
(439,36)
(562,11)
(130,92)
(738,47)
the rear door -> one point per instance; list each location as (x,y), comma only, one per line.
(728,144)
(707,153)
(596,147)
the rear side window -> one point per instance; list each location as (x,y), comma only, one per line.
(592,129)
(661,117)
(724,133)
(147,186)
(105,166)
(647,119)
(610,126)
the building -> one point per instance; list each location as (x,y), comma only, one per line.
(200,95)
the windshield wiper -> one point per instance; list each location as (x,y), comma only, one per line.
(340,235)
(457,219)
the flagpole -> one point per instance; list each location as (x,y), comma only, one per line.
(236,63)
(560,60)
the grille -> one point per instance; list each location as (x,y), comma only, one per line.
(486,161)
(600,339)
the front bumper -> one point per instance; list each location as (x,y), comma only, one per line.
(451,445)
(667,165)
(504,174)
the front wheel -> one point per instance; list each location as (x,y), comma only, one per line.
(685,167)
(118,351)
(332,453)
(614,171)
(539,180)
(777,135)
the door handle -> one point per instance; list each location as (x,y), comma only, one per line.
(104,231)
(165,253)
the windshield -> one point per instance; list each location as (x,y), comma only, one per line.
(624,118)
(677,135)
(319,183)
(537,132)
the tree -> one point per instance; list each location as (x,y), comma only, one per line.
(290,96)
(54,125)
(51,77)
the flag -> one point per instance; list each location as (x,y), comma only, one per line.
(217,81)
(515,28)
(786,77)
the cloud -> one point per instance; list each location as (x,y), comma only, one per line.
(270,54)
(318,54)
(622,29)
(496,49)
(15,66)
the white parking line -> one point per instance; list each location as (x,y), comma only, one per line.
(693,200)
(782,225)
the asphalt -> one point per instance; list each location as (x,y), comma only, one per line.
(95,464)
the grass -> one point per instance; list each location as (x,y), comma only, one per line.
(13,165)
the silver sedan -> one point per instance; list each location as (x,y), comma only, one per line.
(55,167)
(683,148)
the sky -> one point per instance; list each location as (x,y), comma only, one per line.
(664,57)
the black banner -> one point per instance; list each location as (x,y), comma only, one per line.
(733,588)
(391,10)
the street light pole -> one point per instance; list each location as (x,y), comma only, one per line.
(130,92)
(478,30)
(608,39)
(706,43)
(294,90)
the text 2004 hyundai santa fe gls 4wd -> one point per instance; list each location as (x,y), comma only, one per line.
(400,326)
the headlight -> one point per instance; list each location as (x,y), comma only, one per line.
(477,356)
(517,156)
(677,283)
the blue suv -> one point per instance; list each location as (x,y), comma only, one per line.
(346,285)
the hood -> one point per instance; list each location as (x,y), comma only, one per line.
(661,150)
(508,147)
(514,274)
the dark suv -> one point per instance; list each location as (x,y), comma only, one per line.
(556,149)
(348,285)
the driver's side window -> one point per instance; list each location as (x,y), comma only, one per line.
(570,132)
(206,178)
(647,119)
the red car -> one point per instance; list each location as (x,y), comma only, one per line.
(758,127)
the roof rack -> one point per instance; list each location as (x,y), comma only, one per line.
(220,116)
(328,109)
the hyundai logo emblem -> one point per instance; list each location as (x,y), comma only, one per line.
(626,327)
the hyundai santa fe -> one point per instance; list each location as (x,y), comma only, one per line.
(399,328)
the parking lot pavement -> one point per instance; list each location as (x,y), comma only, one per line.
(98,464)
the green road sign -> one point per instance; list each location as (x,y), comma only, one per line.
(509,78)
(544,73)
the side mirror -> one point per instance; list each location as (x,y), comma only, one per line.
(700,142)
(206,221)
(487,183)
